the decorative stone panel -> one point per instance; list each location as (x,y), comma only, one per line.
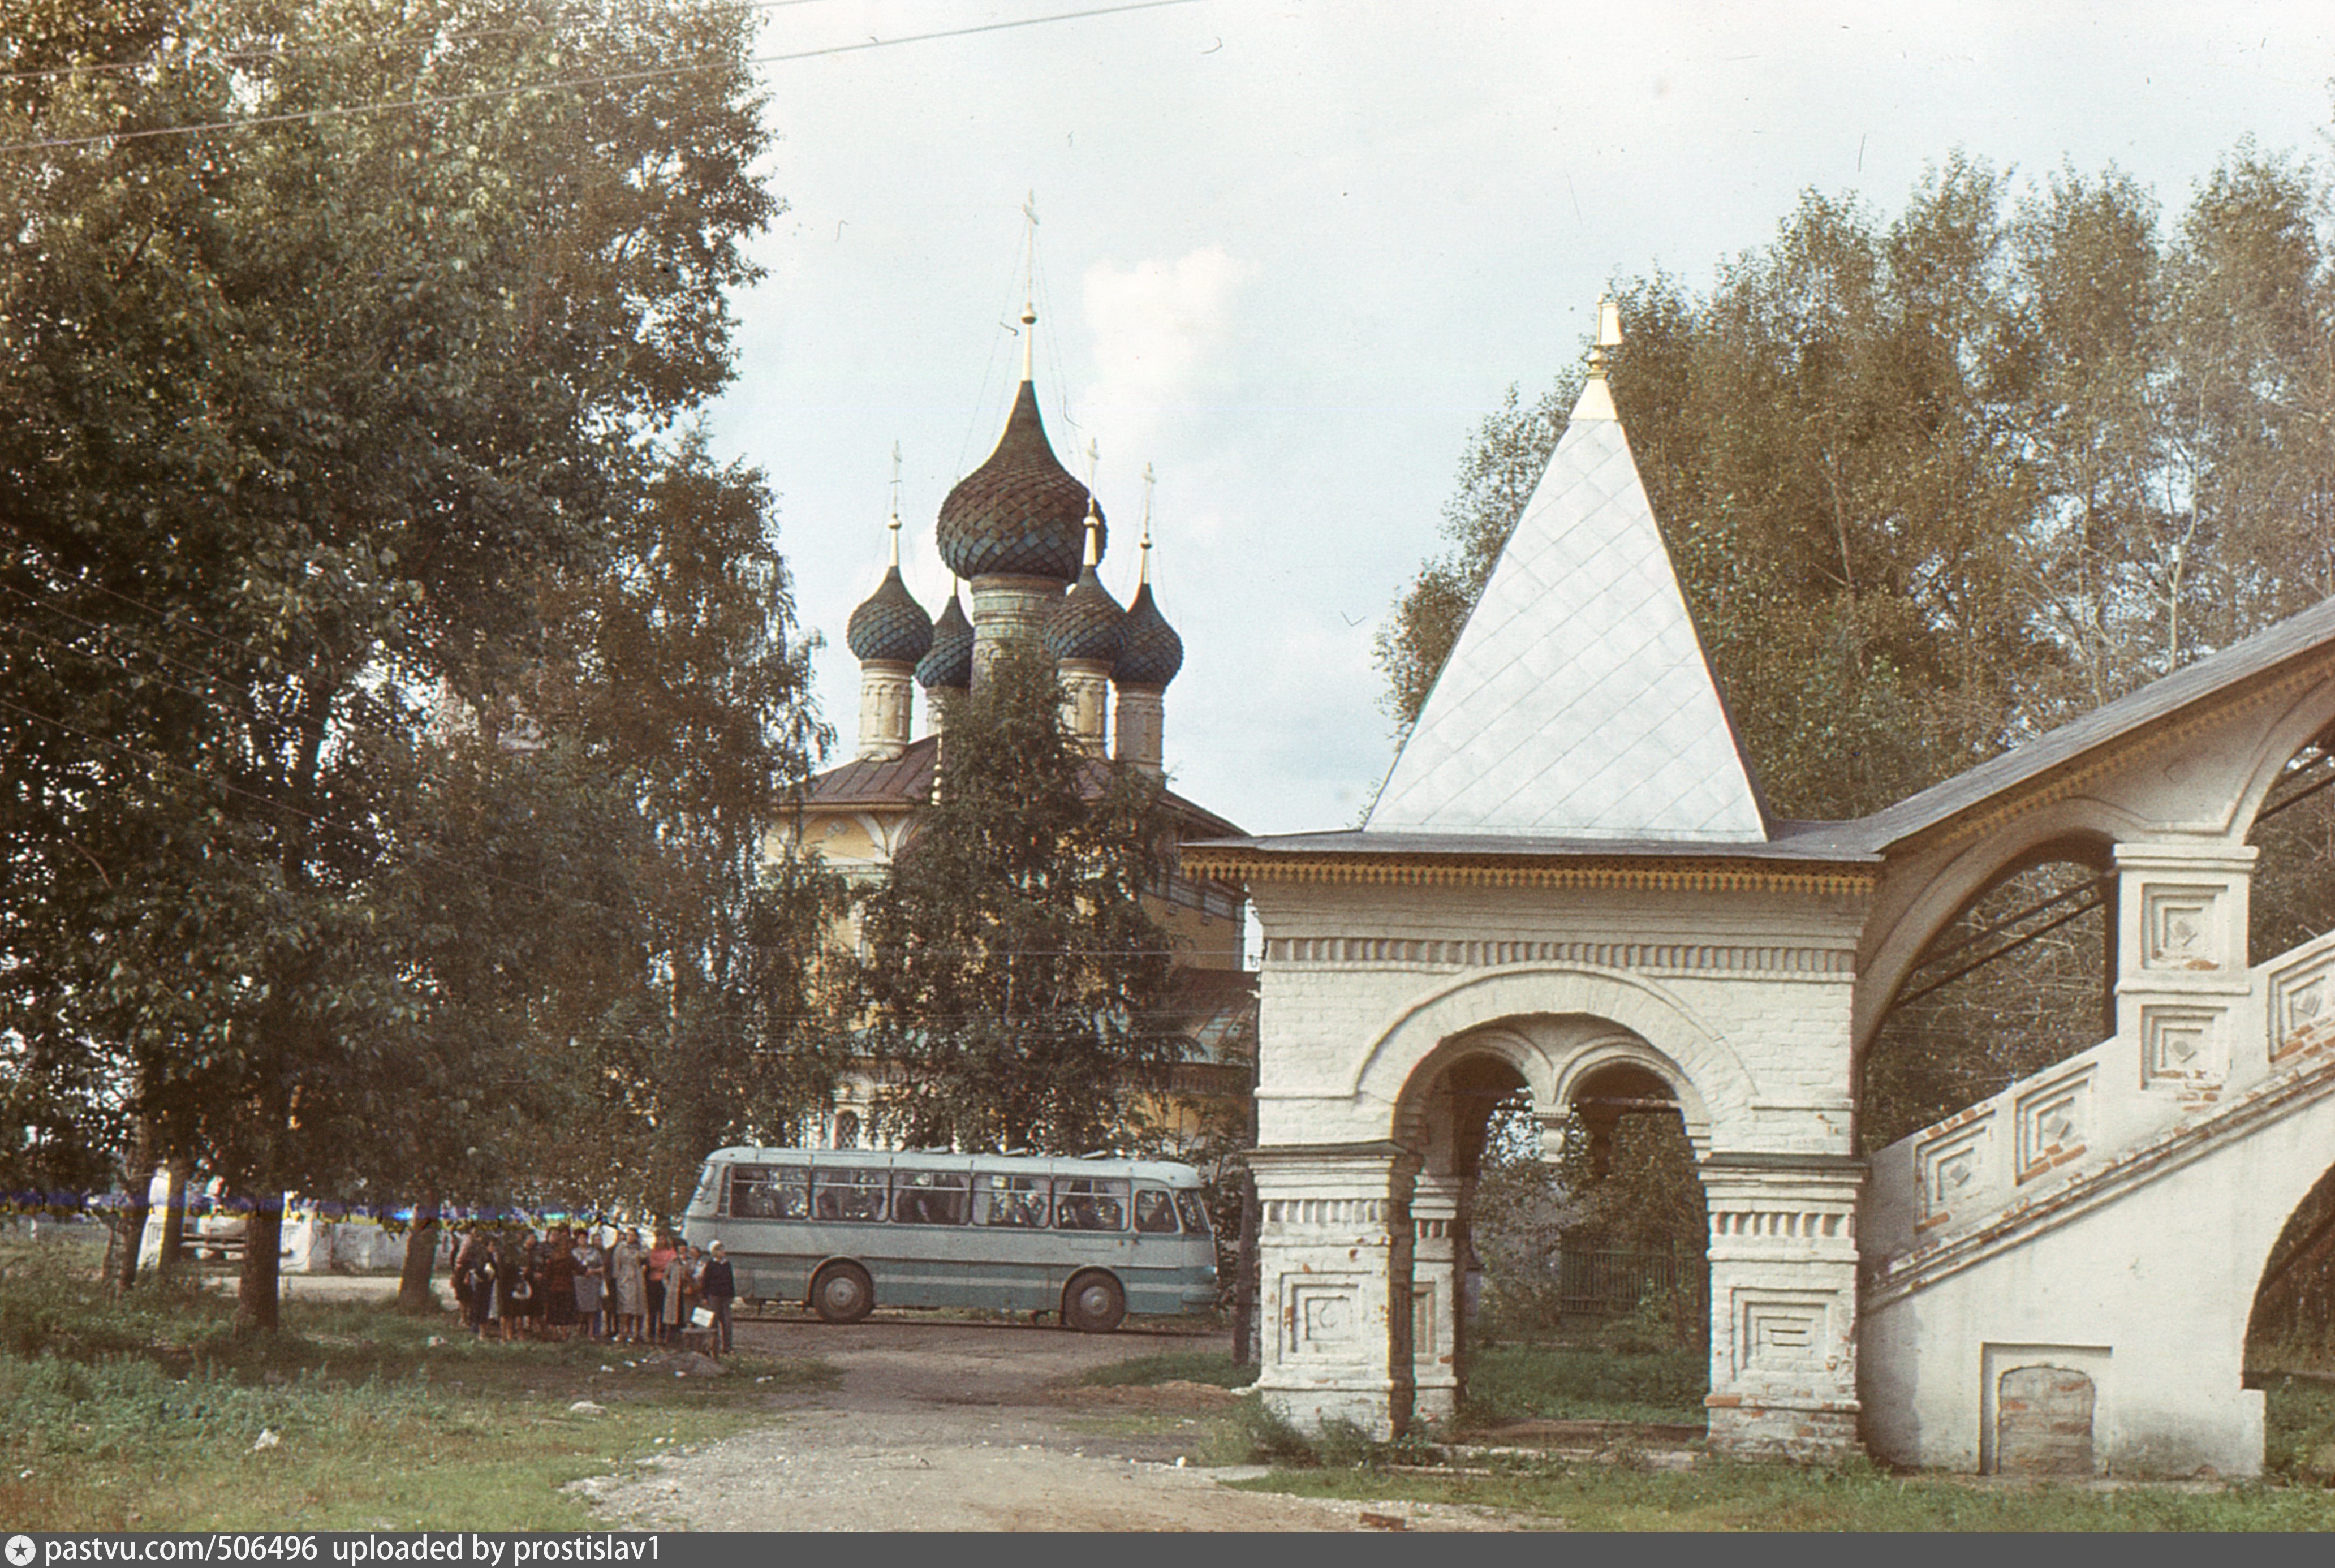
(1953,1166)
(2181,927)
(1321,1315)
(2182,1047)
(2303,1005)
(2052,1121)
(1781,1333)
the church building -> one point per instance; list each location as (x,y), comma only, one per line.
(1029,541)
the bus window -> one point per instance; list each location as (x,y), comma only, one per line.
(768,1193)
(931,1197)
(1154,1211)
(1195,1212)
(1012,1200)
(847,1195)
(1089,1204)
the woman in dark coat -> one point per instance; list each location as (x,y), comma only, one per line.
(559,1286)
(474,1279)
(514,1292)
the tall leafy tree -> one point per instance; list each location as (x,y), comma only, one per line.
(307,420)
(1936,481)
(1013,975)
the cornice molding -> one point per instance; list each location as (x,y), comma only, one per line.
(1478,953)
(1250,868)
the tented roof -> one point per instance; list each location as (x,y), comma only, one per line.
(1577,703)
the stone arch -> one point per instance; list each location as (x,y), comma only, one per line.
(2308,716)
(2280,1212)
(2083,828)
(1555,1054)
(1500,1013)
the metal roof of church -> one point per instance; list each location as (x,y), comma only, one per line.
(1577,703)
(906,781)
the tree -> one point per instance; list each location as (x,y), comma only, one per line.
(1012,970)
(307,420)
(1936,482)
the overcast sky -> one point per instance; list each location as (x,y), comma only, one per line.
(1290,255)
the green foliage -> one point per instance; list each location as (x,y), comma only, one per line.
(393,698)
(1634,1191)
(1586,1383)
(1011,967)
(1935,481)
(142,1409)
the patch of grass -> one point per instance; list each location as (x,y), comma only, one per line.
(1717,1495)
(2299,1431)
(1565,1382)
(144,1412)
(1212,1367)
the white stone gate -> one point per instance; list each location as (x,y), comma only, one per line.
(1571,883)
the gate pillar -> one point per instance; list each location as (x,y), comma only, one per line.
(1438,1295)
(1334,1247)
(1783,1304)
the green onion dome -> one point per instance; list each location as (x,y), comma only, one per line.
(1152,653)
(1086,623)
(1019,514)
(949,663)
(890,626)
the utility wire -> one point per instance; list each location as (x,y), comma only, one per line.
(445,100)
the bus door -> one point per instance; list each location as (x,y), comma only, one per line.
(1091,1215)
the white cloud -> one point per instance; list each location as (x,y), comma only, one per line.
(1161,330)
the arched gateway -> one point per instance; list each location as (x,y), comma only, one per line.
(1570,873)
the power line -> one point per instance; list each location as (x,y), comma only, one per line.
(445,100)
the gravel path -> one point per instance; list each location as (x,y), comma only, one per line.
(967,1427)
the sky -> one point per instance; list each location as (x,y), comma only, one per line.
(1289,255)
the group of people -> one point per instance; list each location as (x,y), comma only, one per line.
(514,1284)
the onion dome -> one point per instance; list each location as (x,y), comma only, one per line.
(1021,513)
(949,662)
(1152,653)
(890,626)
(1086,623)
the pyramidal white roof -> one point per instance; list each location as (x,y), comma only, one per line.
(1577,703)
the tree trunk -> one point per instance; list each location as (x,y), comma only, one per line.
(132,1223)
(174,1223)
(413,1292)
(1245,1339)
(255,1305)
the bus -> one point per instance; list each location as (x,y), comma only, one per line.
(847,1230)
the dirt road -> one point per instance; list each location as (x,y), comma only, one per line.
(974,1427)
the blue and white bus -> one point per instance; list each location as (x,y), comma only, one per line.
(848,1230)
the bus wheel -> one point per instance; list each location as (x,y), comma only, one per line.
(1094,1303)
(842,1294)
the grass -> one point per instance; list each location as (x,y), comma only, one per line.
(1621,1491)
(143,1412)
(1579,1383)
(1717,1495)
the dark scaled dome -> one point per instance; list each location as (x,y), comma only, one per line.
(890,626)
(949,662)
(1086,623)
(1019,513)
(1151,651)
